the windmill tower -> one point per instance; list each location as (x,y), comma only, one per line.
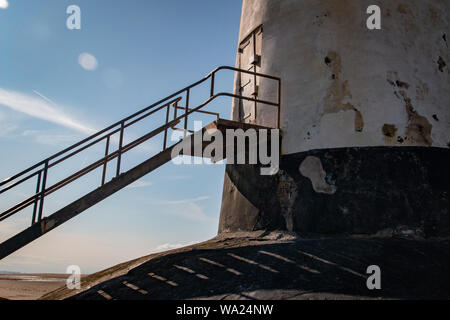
(365,117)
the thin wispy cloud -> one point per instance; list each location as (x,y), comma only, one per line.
(41,108)
(45,98)
(191,200)
(192,211)
(171,246)
(189,208)
(139,184)
(10,227)
(50,139)
(6,129)
(176,178)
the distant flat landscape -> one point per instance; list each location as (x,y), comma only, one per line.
(24,286)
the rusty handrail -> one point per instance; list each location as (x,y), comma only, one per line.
(119,127)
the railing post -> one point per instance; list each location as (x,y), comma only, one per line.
(106,160)
(165,131)
(38,187)
(44,183)
(186,110)
(212,83)
(279,103)
(255,86)
(240,106)
(175,110)
(119,156)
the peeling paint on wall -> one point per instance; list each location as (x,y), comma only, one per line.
(338,92)
(312,168)
(335,77)
(418,129)
(389,133)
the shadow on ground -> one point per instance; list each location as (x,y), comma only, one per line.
(262,269)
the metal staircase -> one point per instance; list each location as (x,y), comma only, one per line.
(175,115)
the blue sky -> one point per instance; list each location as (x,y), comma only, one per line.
(144,50)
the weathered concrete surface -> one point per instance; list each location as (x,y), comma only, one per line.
(346,191)
(277,266)
(341,83)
